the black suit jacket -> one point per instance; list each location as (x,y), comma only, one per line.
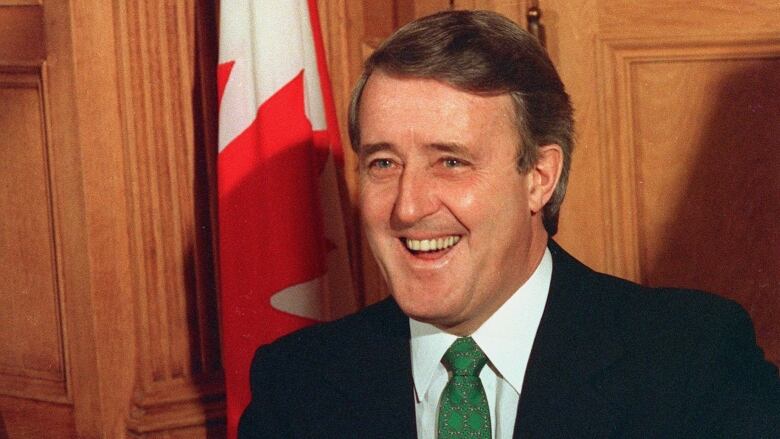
(610,359)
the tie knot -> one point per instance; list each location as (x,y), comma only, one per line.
(464,357)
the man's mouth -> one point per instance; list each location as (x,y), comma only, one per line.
(417,246)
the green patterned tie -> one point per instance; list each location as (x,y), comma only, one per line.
(463,409)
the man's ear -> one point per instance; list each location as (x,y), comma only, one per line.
(544,176)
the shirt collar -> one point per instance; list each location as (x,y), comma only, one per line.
(506,337)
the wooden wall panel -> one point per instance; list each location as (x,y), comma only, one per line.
(514,9)
(22,31)
(83,71)
(30,297)
(571,30)
(179,382)
(693,142)
(673,17)
(109,308)
(405,11)
(43,250)
(23,419)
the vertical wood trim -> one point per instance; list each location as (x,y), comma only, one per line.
(101,341)
(342,22)
(617,164)
(170,133)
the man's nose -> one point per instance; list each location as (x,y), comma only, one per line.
(416,197)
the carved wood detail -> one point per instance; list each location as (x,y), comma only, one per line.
(168,135)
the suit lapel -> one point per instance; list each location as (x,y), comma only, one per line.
(574,344)
(376,378)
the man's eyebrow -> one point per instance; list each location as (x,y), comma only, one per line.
(447,147)
(450,147)
(371,148)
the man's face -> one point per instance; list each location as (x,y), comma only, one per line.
(453,225)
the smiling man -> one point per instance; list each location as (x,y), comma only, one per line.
(464,132)
(455,228)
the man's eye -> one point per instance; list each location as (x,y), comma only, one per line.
(381,164)
(452,163)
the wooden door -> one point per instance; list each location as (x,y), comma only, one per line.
(676,176)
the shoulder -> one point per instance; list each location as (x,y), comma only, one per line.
(321,381)
(337,341)
(664,329)
(645,312)
(676,313)
(673,319)
(668,307)
(677,352)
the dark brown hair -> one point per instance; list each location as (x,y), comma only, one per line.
(484,53)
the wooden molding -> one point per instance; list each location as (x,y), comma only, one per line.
(21,2)
(175,297)
(175,406)
(618,59)
(34,297)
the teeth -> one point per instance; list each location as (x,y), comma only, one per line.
(427,245)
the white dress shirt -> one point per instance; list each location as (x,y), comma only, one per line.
(506,339)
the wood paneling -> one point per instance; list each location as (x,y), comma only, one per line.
(713,202)
(23,419)
(46,289)
(80,46)
(646,80)
(105,165)
(673,17)
(405,11)
(514,9)
(22,32)
(179,382)
(30,297)
(675,173)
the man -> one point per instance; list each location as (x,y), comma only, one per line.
(463,131)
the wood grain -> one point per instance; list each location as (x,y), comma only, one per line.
(516,10)
(22,32)
(179,383)
(30,297)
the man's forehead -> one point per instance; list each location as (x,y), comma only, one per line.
(444,147)
(431,82)
(391,104)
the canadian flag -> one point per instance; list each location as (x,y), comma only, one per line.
(281,227)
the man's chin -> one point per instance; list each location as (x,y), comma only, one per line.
(433,312)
